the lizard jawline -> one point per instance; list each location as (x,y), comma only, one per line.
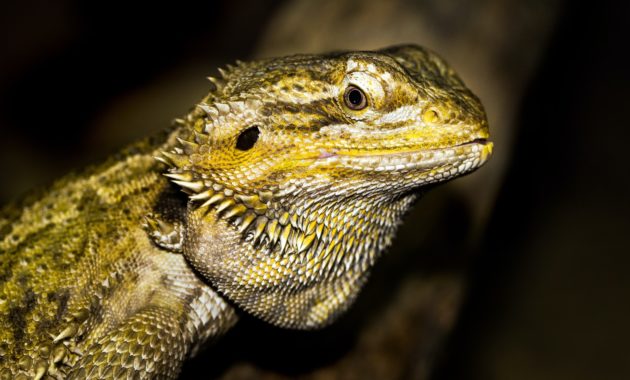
(472,154)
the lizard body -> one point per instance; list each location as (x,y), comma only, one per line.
(295,173)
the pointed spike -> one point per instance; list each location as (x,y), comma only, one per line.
(248,200)
(273,231)
(328,250)
(224,205)
(188,146)
(150,223)
(304,242)
(311,254)
(194,186)
(235,211)
(66,333)
(310,228)
(317,248)
(186,176)
(171,157)
(326,262)
(284,237)
(59,353)
(320,218)
(256,228)
(81,314)
(175,159)
(284,219)
(335,236)
(294,220)
(179,121)
(217,83)
(75,350)
(223,72)
(40,369)
(163,160)
(259,227)
(338,254)
(247,219)
(350,241)
(203,195)
(201,138)
(316,267)
(319,230)
(214,199)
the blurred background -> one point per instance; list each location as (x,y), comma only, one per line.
(518,271)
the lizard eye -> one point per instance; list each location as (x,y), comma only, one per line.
(354,98)
(247,138)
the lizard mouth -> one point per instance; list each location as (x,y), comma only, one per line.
(480,140)
(462,157)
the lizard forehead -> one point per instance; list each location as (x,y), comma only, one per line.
(394,77)
(317,75)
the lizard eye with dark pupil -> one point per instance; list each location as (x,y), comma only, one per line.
(247,138)
(354,98)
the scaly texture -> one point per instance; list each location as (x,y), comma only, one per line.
(296,173)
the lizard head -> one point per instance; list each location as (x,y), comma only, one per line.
(299,170)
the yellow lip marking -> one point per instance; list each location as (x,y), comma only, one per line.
(486,151)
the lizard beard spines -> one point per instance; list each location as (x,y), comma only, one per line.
(259,221)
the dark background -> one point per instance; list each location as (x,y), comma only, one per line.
(547,293)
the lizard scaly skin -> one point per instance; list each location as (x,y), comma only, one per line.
(295,173)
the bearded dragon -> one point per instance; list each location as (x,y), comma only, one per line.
(296,173)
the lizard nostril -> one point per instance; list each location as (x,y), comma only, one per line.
(431,115)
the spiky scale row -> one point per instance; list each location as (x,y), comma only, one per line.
(244,222)
(189,147)
(233,206)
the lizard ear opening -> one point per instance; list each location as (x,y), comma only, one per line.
(247,139)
